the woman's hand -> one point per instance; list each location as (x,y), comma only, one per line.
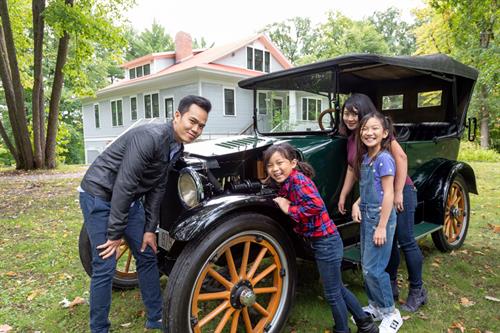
(283,203)
(398,201)
(380,236)
(109,248)
(356,213)
(341,205)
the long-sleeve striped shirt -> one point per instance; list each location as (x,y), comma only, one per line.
(307,208)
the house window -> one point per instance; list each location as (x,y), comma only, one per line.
(116,113)
(249,58)
(131,73)
(169,108)
(310,108)
(267,61)
(138,71)
(151,106)
(262,103)
(147,69)
(133,108)
(96,116)
(229,107)
(259,59)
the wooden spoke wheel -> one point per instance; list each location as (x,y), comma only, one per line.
(125,275)
(330,120)
(250,268)
(456,216)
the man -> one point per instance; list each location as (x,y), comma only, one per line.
(135,166)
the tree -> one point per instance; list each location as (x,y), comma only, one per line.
(149,41)
(465,30)
(341,35)
(294,37)
(397,33)
(77,29)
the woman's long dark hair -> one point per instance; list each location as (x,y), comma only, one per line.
(288,152)
(357,103)
(360,146)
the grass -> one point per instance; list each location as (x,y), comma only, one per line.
(39,267)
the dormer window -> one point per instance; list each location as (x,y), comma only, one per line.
(258,60)
(139,71)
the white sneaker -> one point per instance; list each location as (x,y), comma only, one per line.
(391,323)
(373,311)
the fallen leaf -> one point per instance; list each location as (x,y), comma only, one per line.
(466,302)
(406,317)
(126,325)
(67,304)
(495,228)
(11,274)
(5,328)
(435,264)
(456,325)
(490,298)
(34,294)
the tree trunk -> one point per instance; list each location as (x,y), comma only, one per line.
(57,84)
(485,118)
(9,144)
(15,101)
(38,7)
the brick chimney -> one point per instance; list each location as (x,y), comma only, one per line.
(183,46)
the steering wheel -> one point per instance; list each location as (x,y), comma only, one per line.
(323,113)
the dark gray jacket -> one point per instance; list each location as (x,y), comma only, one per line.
(135,165)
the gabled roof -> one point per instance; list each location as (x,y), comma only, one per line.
(204,59)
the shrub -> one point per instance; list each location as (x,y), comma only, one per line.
(470,151)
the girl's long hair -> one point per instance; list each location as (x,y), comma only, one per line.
(288,152)
(356,103)
(360,146)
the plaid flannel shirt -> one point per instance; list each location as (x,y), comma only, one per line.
(307,208)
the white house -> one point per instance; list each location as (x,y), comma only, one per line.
(154,84)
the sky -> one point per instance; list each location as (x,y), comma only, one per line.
(223,21)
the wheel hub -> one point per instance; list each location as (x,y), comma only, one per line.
(242,295)
(454,211)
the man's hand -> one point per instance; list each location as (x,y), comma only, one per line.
(283,203)
(379,237)
(109,248)
(356,213)
(149,238)
(398,201)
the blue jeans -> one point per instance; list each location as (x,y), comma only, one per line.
(328,252)
(96,213)
(406,239)
(374,259)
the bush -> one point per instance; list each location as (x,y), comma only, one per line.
(470,151)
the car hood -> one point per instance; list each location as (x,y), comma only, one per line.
(227,146)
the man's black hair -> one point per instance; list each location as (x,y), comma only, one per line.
(187,101)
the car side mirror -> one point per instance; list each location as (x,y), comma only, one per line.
(472,127)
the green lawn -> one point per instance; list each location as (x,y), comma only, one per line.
(39,267)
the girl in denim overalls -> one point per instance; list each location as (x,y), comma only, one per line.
(375,169)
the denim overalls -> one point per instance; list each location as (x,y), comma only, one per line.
(374,258)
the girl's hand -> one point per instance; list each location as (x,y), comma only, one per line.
(356,213)
(283,203)
(398,201)
(341,206)
(379,237)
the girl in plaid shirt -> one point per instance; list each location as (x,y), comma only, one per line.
(299,198)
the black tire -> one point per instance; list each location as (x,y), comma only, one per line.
(456,217)
(234,236)
(121,281)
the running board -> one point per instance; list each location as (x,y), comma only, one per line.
(353,253)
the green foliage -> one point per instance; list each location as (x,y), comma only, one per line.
(152,40)
(397,33)
(472,152)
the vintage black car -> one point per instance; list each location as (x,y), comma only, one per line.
(229,252)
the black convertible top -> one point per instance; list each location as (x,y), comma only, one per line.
(355,67)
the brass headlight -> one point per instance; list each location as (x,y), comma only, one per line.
(190,187)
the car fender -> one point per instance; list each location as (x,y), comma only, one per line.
(198,219)
(433,180)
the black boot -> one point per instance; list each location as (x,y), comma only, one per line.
(395,290)
(366,325)
(416,298)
